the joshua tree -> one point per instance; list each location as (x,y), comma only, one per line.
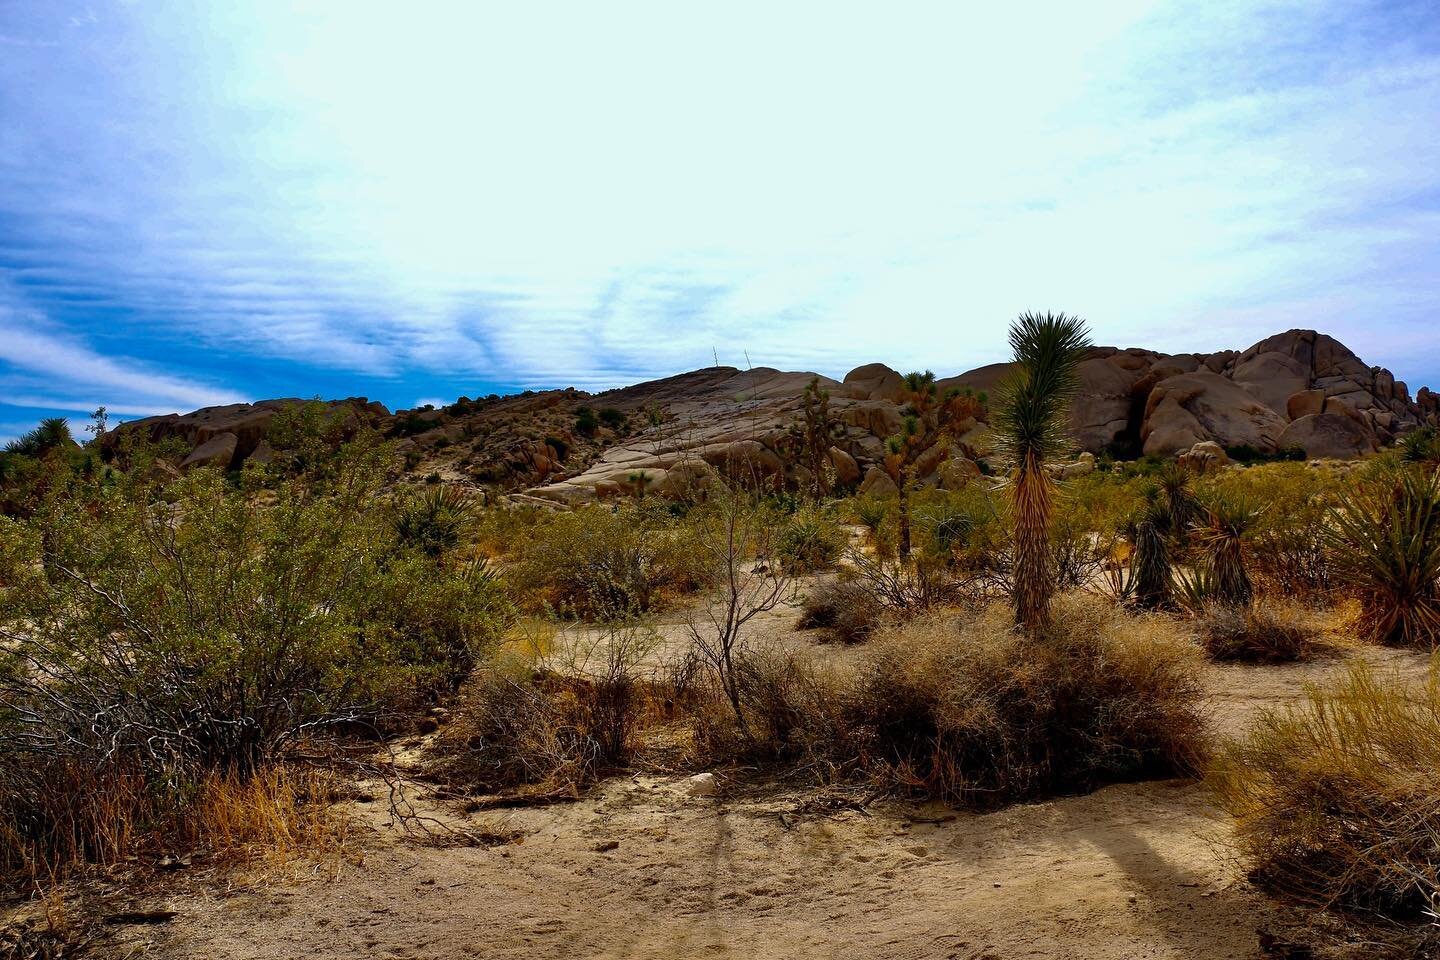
(927,420)
(1030,428)
(815,432)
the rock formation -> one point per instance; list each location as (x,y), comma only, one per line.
(676,435)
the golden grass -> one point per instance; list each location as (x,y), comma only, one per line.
(1337,799)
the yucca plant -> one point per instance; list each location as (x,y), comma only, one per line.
(1152,580)
(1220,536)
(1182,507)
(434,520)
(1029,427)
(1384,536)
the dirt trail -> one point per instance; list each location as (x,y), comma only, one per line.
(642,870)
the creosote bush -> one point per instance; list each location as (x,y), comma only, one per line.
(211,632)
(1335,799)
(604,562)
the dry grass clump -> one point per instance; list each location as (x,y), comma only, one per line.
(974,711)
(793,712)
(846,609)
(519,727)
(978,712)
(74,814)
(1260,633)
(1338,799)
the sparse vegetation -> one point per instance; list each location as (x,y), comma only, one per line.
(1335,798)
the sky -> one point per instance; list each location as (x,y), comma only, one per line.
(204,203)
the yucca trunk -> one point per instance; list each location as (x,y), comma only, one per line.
(1034,497)
(904,507)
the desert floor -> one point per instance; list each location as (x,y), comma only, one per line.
(641,869)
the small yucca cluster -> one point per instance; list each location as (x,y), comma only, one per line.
(1385,540)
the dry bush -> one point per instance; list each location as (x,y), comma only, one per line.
(73,813)
(844,608)
(509,730)
(1261,633)
(971,710)
(792,709)
(974,711)
(1337,799)
(516,726)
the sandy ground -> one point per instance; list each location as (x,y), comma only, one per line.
(644,870)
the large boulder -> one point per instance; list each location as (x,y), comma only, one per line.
(873,381)
(1328,435)
(218,451)
(1185,410)
(1204,457)
(878,483)
(1271,377)
(847,471)
(1304,403)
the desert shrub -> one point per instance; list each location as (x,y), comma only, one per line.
(599,562)
(586,422)
(1336,798)
(218,629)
(844,608)
(810,540)
(520,725)
(1385,541)
(1287,544)
(510,730)
(976,711)
(791,713)
(1260,633)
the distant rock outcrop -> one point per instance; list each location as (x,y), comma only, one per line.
(677,435)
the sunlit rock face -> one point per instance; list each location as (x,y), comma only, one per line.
(672,437)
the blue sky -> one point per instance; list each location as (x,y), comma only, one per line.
(208,202)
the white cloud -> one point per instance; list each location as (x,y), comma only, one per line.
(606,193)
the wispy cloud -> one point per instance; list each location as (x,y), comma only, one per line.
(512,201)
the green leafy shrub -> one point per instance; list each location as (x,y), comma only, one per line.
(599,562)
(217,629)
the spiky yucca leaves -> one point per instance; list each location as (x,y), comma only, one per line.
(1182,507)
(51,433)
(1152,583)
(1029,427)
(434,520)
(1220,536)
(1385,539)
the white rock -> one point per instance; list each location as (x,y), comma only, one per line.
(702,785)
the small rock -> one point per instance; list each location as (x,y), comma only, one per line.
(702,785)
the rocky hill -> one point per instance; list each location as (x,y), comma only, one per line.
(1295,390)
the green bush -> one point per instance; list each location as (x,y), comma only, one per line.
(218,628)
(607,563)
(810,540)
